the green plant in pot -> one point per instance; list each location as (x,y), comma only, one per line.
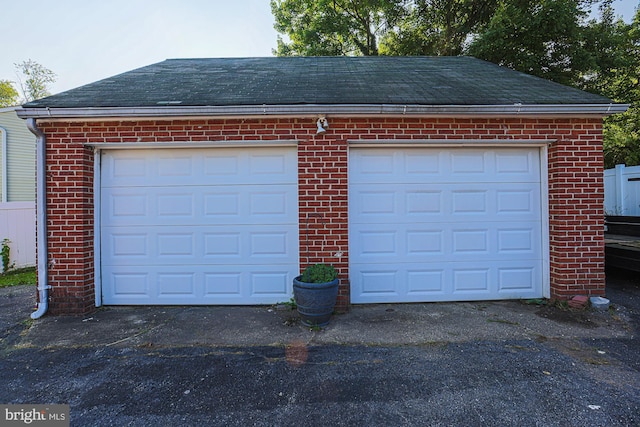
(315,292)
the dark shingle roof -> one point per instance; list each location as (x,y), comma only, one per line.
(319,80)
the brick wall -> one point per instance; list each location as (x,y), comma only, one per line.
(576,210)
(575,165)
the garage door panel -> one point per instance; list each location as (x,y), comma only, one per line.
(199,226)
(252,166)
(379,281)
(408,243)
(269,245)
(275,204)
(470,242)
(193,245)
(378,243)
(445,224)
(383,283)
(420,165)
(461,281)
(226,284)
(518,239)
(431,202)
(180,284)
(520,201)
(421,202)
(518,164)
(469,202)
(383,166)
(265,284)
(126,204)
(423,242)
(129,168)
(234,204)
(469,163)
(492,165)
(175,244)
(225,166)
(517,278)
(171,285)
(471,280)
(425,282)
(128,285)
(128,244)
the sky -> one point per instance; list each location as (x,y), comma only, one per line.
(84,41)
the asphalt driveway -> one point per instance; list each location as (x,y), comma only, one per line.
(500,363)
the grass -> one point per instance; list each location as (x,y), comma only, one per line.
(20,276)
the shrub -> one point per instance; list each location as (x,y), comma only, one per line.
(319,273)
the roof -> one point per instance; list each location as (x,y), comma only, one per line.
(294,82)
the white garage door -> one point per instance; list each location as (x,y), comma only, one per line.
(199,226)
(445,224)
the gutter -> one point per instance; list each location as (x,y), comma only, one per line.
(41,220)
(315,109)
(5,164)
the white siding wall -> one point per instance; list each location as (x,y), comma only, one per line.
(18,224)
(622,191)
(21,158)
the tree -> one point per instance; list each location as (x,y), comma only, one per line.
(551,39)
(438,27)
(538,37)
(8,94)
(34,80)
(611,49)
(334,27)
(372,27)
(619,79)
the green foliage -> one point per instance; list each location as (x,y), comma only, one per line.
(611,48)
(437,27)
(319,273)
(8,95)
(5,253)
(619,79)
(551,39)
(539,37)
(622,138)
(21,276)
(372,27)
(35,80)
(291,303)
(333,27)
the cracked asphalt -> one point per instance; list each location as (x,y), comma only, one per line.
(439,364)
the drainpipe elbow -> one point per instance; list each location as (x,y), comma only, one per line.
(43,305)
(42,309)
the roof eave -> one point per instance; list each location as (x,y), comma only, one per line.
(315,109)
(8,109)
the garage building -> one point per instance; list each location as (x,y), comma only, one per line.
(216,181)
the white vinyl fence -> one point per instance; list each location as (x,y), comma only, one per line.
(622,191)
(18,224)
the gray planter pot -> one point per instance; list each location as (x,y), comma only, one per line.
(315,301)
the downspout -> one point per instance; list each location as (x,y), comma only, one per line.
(5,164)
(41,219)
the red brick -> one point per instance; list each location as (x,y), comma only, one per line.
(574,164)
